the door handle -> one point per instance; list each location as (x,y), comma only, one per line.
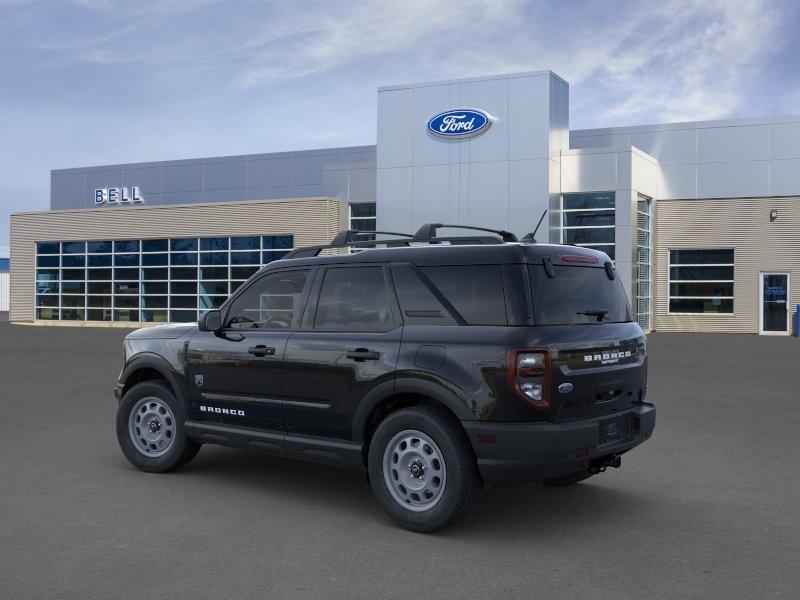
(362,354)
(261,350)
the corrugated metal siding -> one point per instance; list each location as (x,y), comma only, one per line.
(3,291)
(310,220)
(742,224)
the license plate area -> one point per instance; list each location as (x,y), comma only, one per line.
(612,430)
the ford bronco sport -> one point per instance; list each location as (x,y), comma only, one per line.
(435,364)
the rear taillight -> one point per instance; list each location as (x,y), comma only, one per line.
(529,376)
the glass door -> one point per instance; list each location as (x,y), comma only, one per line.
(774,296)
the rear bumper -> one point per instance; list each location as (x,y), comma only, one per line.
(528,452)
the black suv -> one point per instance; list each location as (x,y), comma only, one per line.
(436,364)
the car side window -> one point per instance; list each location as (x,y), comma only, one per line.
(354,299)
(272,302)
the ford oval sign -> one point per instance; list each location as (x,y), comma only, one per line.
(459,123)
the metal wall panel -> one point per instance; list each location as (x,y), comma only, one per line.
(742,224)
(473,186)
(310,220)
(251,177)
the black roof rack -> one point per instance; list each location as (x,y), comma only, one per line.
(427,233)
(424,235)
(346,238)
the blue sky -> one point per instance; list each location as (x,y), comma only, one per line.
(94,82)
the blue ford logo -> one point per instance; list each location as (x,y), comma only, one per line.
(460,123)
(565,388)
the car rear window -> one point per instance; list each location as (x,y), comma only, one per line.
(577,295)
(475,291)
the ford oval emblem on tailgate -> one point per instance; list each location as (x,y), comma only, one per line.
(565,388)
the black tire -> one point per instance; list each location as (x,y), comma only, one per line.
(570,479)
(462,485)
(181,450)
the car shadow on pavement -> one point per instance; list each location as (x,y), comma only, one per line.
(512,512)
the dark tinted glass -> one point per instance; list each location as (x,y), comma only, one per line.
(183,301)
(701,289)
(217,243)
(100,260)
(590,200)
(277,242)
(126,315)
(47,247)
(72,314)
(702,305)
(214,272)
(73,287)
(183,287)
(207,302)
(364,209)
(154,245)
(269,303)
(154,274)
(76,260)
(73,274)
(47,287)
(354,299)
(72,301)
(183,273)
(692,273)
(610,250)
(47,261)
(126,302)
(99,274)
(126,287)
(589,236)
(242,272)
(126,274)
(245,243)
(98,315)
(244,258)
(96,247)
(155,316)
(46,274)
(272,255)
(701,257)
(183,258)
(73,247)
(48,300)
(99,301)
(100,287)
(182,316)
(583,219)
(126,260)
(47,313)
(214,258)
(417,302)
(572,291)
(363,225)
(149,260)
(126,246)
(475,291)
(183,245)
(154,287)
(214,288)
(154,302)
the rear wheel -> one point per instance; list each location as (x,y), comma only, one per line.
(567,479)
(150,428)
(422,470)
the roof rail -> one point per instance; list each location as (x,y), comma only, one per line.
(427,233)
(345,238)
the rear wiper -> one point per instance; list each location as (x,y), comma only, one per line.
(599,313)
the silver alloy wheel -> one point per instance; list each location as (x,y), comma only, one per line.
(151,426)
(414,470)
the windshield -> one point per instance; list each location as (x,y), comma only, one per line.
(577,295)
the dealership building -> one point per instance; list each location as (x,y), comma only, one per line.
(702,219)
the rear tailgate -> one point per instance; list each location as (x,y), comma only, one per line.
(599,370)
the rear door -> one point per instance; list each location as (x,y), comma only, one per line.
(597,351)
(348,345)
(235,374)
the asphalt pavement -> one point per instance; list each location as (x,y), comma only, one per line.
(708,508)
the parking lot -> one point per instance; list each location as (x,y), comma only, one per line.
(707,509)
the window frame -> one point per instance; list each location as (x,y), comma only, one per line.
(670,281)
(310,315)
(563,228)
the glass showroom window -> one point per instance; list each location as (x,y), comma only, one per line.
(644,230)
(588,220)
(362,218)
(152,280)
(701,281)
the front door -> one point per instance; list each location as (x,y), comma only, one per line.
(235,374)
(774,304)
(348,345)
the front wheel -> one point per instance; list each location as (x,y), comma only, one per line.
(422,469)
(150,429)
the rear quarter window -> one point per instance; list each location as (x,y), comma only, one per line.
(572,292)
(475,291)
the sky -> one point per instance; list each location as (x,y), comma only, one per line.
(93,82)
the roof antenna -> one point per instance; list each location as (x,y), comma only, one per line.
(531,237)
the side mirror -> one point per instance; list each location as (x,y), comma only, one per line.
(210,321)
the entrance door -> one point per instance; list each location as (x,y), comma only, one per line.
(774,301)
